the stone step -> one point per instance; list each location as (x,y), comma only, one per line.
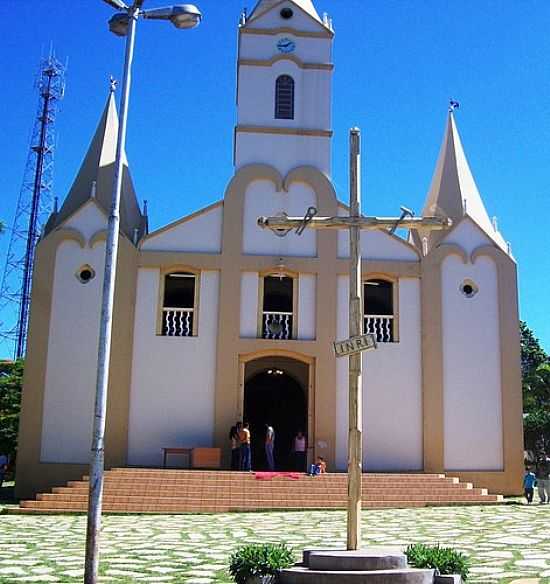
(368,559)
(303,575)
(266,498)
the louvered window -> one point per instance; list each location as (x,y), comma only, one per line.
(284,98)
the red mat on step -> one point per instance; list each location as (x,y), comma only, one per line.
(267,476)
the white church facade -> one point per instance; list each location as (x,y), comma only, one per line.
(217,320)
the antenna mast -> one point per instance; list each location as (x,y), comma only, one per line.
(34,207)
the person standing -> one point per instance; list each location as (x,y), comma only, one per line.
(542,473)
(4,461)
(269,446)
(244,437)
(300,450)
(235,448)
(529,481)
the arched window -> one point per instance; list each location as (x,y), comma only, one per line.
(278,307)
(179,304)
(284,98)
(378,310)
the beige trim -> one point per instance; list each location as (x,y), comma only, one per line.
(229,385)
(70,234)
(295,297)
(276,58)
(432,355)
(392,268)
(288,30)
(246,358)
(510,367)
(97,237)
(178,222)
(245,129)
(164,271)
(159,259)
(388,277)
(33,475)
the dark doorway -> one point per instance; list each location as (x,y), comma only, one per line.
(273,396)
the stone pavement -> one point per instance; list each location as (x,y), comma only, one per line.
(508,543)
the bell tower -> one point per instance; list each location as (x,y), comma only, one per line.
(284,87)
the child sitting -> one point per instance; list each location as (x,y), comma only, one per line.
(320,467)
(529,482)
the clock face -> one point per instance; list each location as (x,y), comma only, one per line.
(286,45)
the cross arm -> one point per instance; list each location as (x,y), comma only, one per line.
(284,222)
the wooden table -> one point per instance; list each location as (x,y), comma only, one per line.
(186,451)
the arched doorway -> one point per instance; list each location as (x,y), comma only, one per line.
(276,393)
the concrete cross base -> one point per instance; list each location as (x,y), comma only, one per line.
(369,566)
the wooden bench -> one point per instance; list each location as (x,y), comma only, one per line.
(197,457)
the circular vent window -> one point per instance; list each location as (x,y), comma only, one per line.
(469,288)
(85,274)
(287,13)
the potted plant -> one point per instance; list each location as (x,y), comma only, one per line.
(259,563)
(451,566)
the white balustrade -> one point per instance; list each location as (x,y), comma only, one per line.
(177,322)
(277,325)
(381,325)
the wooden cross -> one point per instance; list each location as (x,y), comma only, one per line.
(355,222)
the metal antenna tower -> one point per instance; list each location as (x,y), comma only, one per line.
(34,207)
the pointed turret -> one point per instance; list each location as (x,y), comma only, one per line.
(264,6)
(96,175)
(453,192)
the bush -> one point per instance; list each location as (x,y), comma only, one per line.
(259,560)
(444,560)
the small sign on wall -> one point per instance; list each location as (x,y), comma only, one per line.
(355,345)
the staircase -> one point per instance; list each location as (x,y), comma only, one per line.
(132,490)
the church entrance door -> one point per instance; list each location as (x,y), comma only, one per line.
(275,393)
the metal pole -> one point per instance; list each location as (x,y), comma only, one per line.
(91,567)
(355,385)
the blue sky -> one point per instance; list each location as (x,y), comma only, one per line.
(397,64)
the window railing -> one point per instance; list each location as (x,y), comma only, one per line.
(277,325)
(380,325)
(177,322)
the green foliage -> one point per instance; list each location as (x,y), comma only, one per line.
(259,560)
(11,384)
(444,560)
(535,368)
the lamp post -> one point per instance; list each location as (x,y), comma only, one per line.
(123,23)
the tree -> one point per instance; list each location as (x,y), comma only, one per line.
(535,369)
(11,384)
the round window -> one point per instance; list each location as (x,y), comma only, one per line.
(469,288)
(85,274)
(287,13)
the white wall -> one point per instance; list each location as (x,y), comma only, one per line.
(300,21)
(262,199)
(309,50)
(202,233)
(69,391)
(173,378)
(307,306)
(312,96)
(468,236)
(282,152)
(471,367)
(376,245)
(249,305)
(88,220)
(392,390)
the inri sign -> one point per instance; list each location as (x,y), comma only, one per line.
(355,345)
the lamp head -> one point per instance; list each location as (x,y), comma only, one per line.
(180,15)
(118,24)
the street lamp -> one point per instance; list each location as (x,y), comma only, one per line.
(182,16)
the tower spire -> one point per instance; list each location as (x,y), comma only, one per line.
(264,6)
(96,175)
(453,191)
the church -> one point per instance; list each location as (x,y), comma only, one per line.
(217,320)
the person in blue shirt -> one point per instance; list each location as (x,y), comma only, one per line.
(529,482)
